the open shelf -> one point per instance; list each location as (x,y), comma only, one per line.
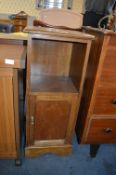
(52,84)
(56,66)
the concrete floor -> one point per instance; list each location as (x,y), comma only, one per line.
(78,163)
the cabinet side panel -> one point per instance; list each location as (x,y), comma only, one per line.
(77,63)
(108,74)
(89,84)
(7,128)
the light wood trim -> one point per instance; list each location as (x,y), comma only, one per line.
(49,37)
(58,33)
(49,142)
(72,118)
(6,72)
(16,111)
(14,36)
(7,125)
(59,150)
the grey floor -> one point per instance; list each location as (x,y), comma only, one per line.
(78,163)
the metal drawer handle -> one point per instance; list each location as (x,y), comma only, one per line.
(108,130)
(114,102)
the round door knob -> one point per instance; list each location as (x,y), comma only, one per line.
(108,130)
(114,101)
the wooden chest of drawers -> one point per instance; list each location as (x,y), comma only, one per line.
(96,123)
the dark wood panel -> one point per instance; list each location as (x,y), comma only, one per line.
(53,58)
(77,63)
(112,41)
(105,101)
(98,100)
(51,119)
(102,131)
(109,68)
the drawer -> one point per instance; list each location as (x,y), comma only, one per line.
(108,73)
(105,101)
(102,131)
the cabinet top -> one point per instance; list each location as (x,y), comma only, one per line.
(15,36)
(58,33)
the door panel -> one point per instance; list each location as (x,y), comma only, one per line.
(51,119)
(7,128)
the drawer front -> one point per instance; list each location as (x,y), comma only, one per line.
(102,131)
(105,101)
(109,67)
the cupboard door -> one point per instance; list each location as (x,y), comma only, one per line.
(53,117)
(7,128)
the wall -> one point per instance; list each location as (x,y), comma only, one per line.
(15,6)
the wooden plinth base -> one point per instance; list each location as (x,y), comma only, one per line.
(37,151)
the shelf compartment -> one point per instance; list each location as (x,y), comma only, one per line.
(52,84)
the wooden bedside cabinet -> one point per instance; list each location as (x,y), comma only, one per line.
(12,62)
(56,67)
(96,122)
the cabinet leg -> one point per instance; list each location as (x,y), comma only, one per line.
(94,149)
(18,162)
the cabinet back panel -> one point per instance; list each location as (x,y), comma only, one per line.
(51,119)
(50,57)
(57,58)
